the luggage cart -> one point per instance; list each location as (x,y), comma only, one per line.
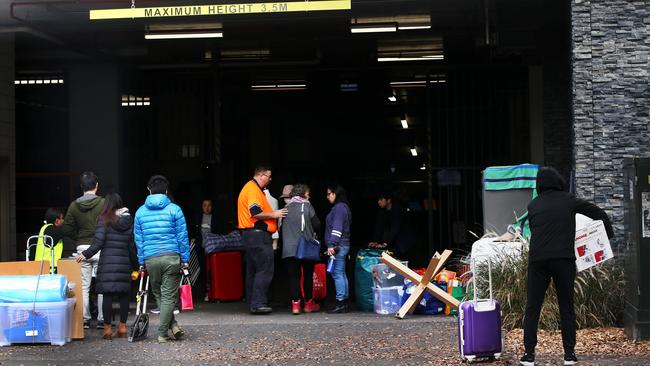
(140,326)
(195,267)
(48,241)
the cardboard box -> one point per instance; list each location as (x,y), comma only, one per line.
(592,246)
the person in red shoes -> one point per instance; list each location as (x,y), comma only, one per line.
(301,221)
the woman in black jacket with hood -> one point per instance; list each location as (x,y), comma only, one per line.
(551,255)
(114,237)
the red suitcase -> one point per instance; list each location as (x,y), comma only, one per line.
(319,290)
(225,275)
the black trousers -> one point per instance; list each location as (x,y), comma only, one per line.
(563,273)
(294,267)
(259,266)
(107,307)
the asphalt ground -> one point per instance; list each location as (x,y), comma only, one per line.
(225,334)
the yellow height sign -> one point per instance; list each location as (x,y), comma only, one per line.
(219,9)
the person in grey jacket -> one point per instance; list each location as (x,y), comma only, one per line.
(301,221)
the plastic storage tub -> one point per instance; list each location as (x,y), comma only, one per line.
(384,276)
(40,322)
(387,299)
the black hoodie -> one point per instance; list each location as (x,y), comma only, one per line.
(552,218)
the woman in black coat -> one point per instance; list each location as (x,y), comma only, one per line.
(114,237)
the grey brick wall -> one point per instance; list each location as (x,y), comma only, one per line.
(611,96)
(7,149)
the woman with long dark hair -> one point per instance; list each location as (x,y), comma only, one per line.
(301,221)
(114,237)
(337,238)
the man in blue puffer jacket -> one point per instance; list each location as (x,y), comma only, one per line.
(160,235)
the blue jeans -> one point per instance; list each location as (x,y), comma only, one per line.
(338,273)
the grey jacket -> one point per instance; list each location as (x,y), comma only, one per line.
(291,226)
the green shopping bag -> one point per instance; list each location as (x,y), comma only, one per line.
(363,282)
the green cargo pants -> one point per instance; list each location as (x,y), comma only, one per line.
(165,277)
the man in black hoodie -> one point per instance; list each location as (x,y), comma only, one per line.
(551,255)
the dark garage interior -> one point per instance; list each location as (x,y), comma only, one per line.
(488,85)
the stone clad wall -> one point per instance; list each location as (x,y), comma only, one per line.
(611,97)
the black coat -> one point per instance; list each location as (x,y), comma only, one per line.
(118,257)
(552,218)
(394,228)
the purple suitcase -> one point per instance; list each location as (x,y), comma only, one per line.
(479,327)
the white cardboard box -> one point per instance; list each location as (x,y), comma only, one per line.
(592,246)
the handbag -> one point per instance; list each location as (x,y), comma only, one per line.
(186,294)
(308,249)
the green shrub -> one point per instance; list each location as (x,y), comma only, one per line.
(599,293)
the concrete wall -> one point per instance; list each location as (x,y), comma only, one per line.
(7,150)
(611,96)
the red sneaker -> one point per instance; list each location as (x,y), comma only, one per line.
(295,307)
(311,306)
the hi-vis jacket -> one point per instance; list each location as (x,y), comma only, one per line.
(43,252)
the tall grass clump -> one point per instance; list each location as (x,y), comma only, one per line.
(599,293)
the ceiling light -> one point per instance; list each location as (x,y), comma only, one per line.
(414,151)
(406,58)
(281,85)
(405,123)
(183,35)
(427,48)
(181,31)
(373,28)
(390,23)
(413,27)
(414,83)
(392,98)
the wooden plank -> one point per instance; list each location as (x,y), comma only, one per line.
(72,271)
(443,259)
(430,272)
(411,303)
(416,295)
(416,278)
(24,268)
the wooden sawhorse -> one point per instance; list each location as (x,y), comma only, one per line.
(422,282)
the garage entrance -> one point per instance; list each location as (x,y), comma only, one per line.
(412,97)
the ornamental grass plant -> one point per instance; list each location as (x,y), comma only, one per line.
(599,293)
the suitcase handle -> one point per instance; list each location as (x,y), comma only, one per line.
(489,280)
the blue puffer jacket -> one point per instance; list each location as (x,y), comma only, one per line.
(160,229)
